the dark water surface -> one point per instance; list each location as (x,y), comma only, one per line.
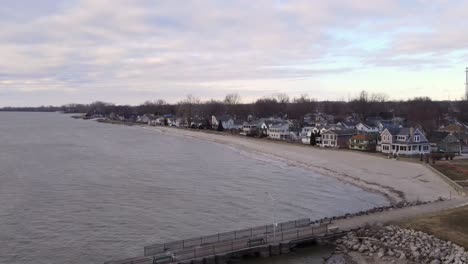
(76,191)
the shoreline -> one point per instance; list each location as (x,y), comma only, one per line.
(368,172)
(398,181)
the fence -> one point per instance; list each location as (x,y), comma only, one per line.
(222,237)
(241,244)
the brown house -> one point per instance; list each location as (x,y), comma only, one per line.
(363,142)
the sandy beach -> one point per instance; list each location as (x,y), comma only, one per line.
(397,180)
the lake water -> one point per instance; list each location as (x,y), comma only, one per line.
(78,191)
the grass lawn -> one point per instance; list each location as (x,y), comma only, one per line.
(449,225)
(457,170)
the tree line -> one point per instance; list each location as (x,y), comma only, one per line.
(420,110)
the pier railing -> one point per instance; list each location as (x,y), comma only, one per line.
(223,237)
(245,243)
(230,242)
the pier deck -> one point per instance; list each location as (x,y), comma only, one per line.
(271,240)
(215,246)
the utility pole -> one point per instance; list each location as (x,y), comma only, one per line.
(466,84)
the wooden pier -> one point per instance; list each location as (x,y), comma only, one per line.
(273,240)
(219,248)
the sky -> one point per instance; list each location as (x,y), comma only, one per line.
(54,52)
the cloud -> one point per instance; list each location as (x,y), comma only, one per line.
(110,48)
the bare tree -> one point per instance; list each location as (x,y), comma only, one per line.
(232,99)
(187,107)
(281,98)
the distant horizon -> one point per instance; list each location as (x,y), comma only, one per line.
(221,100)
(128,52)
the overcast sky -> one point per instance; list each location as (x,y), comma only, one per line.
(63,51)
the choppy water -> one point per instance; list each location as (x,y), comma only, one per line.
(76,191)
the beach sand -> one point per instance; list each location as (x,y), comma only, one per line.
(397,180)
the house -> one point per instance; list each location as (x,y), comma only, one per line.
(403,141)
(145,119)
(450,144)
(279,131)
(171,121)
(158,121)
(337,138)
(435,138)
(463,138)
(317,132)
(363,142)
(264,124)
(305,134)
(226,122)
(346,124)
(456,127)
(363,128)
(237,125)
(317,119)
(199,123)
(250,129)
(181,122)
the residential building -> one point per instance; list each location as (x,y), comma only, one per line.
(337,138)
(363,142)
(403,141)
(346,124)
(363,128)
(306,134)
(279,131)
(226,121)
(250,129)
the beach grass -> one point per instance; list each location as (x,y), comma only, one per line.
(451,225)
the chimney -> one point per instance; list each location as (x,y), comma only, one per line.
(411,131)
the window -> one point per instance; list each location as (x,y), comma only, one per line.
(417,138)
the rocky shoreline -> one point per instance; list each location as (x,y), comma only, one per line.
(376,210)
(392,244)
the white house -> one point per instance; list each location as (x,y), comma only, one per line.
(404,141)
(279,131)
(337,138)
(250,129)
(346,124)
(226,121)
(363,128)
(305,134)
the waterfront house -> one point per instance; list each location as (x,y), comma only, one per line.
(265,123)
(403,141)
(181,122)
(279,131)
(337,138)
(305,134)
(238,125)
(250,129)
(224,121)
(363,142)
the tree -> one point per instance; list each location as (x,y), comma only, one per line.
(220,127)
(232,99)
(187,107)
(281,98)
